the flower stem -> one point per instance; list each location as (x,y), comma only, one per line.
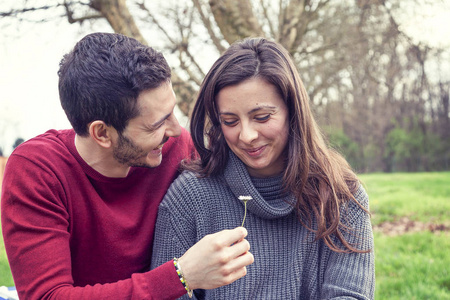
(245,213)
(245,199)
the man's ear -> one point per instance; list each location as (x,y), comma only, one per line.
(101,133)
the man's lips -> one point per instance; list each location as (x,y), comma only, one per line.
(162,144)
(158,149)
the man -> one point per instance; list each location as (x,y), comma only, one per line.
(79,206)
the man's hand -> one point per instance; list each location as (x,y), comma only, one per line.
(217,259)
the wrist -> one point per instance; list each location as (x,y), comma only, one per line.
(177,266)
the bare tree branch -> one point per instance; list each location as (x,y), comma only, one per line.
(268,18)
(70,14)
(293,13)
(183,48)
(16,12)
(206,21)
(142,6)
(183,89)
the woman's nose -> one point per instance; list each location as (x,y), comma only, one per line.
(248,134)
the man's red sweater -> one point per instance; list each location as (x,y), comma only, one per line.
(72,233)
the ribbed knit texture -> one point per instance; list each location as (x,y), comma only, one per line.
(269,188)
(288,263)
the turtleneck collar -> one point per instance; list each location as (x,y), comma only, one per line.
(269,200)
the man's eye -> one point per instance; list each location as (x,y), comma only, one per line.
(263,118)
(159,125)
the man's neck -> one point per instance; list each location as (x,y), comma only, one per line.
(99,158)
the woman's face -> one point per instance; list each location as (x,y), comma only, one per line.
(255,123)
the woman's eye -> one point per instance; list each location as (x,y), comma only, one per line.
(229,123)
(263,118)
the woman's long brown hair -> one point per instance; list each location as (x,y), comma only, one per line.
(319,177)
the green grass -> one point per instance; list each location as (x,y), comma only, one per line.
(422,197)
(410,266)
(413,265)
(5,273)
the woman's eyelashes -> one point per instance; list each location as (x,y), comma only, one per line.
(229,122)
(262,118)
(258,118)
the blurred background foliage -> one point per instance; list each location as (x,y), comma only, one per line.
(380,94)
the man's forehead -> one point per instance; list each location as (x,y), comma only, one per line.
(156,105)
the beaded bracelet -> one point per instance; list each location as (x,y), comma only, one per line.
(180,275)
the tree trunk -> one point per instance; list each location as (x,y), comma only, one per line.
(118,16)
(235,19)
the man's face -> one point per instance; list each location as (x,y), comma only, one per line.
(140,144)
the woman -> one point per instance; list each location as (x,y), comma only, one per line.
(308,222)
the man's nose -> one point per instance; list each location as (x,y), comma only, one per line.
(173,128)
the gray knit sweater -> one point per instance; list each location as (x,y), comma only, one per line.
(288,263)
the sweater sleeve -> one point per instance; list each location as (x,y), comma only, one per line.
(175,231)
(35,226)
(352,275)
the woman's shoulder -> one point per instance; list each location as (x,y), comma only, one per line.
(361,196)
(188,177)
(189,184)
(356,208)
(191,196)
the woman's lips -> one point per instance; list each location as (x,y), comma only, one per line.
(255,151)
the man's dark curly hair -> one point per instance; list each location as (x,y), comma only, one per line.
(101,78)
